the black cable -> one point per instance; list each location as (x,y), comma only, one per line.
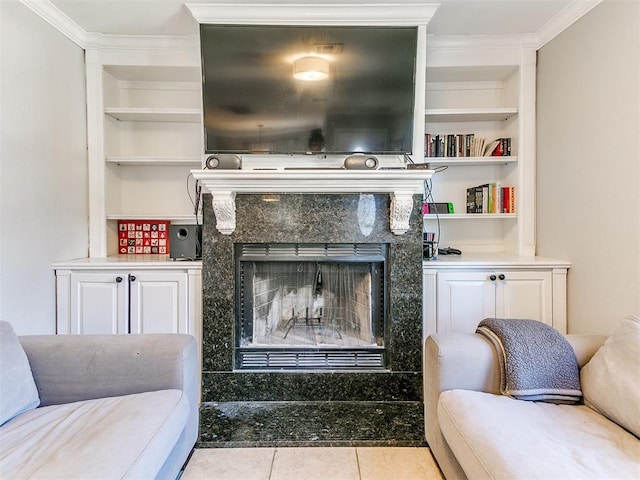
(427,187)
(428,196)
(196,206)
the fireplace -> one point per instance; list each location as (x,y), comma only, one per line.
(310,306)
(325,229)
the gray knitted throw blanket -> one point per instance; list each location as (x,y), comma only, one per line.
(536,361)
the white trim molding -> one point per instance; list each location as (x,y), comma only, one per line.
(57,19)
(397,12)
(563,20)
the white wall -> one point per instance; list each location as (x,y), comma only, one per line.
(588,162)
(43,169)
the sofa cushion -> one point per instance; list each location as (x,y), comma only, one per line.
(494,436)
(18,392)
(116,437)
(611,379)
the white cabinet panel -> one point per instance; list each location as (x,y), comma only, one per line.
(525,295)
(99,303)
(463,299)
(158,302)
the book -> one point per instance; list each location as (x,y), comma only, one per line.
(512,200)
(471,200)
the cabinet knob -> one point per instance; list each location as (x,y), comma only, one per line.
(118,279)
(492,278)
(132,278)
(501,276)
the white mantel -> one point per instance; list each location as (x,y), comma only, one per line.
(401,185)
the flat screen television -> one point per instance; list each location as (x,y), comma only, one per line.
(363,100)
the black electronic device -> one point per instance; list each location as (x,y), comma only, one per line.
(449,251)
(185,242)
(363,101)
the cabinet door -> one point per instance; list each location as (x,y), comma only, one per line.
(99,303)
(525,294)
(158,302)
(464,299)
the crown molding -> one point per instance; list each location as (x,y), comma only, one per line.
(398,12)
(466,42)
(330,13)
(57,19)
(563,20)
(151,42)
(168,44)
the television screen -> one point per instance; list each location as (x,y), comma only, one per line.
(308,89)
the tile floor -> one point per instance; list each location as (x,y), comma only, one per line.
(312,463)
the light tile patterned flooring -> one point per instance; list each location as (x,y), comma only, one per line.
(312,463)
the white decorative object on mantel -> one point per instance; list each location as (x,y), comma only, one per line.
(401,185)
(224,207)
(401,206)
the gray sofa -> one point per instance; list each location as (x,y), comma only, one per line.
(475,432)
(111,406)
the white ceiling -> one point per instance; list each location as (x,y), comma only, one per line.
(453,17)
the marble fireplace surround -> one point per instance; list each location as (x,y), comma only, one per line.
(278,214)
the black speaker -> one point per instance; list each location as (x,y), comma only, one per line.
(361,162)
(223,162)
(185,242)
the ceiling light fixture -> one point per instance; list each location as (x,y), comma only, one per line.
(311,68)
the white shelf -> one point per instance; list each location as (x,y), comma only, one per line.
(470,216)
(136,114)
(468,161)
(469,114)
(155,161)
(172,218)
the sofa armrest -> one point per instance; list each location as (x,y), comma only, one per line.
(454,361)
(585,345)
(469,362)
(70,368)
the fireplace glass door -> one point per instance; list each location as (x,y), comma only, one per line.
(310,306)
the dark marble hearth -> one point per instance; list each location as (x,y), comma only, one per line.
(321,424)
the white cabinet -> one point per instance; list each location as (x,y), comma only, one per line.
(459,293)
(118,298)
(126,302)
(465,298)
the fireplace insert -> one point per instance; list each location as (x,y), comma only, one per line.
(310,306)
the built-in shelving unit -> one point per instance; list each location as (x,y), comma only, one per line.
(465,95)
(152,139)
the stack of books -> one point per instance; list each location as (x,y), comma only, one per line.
(491,198)
(465,145)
